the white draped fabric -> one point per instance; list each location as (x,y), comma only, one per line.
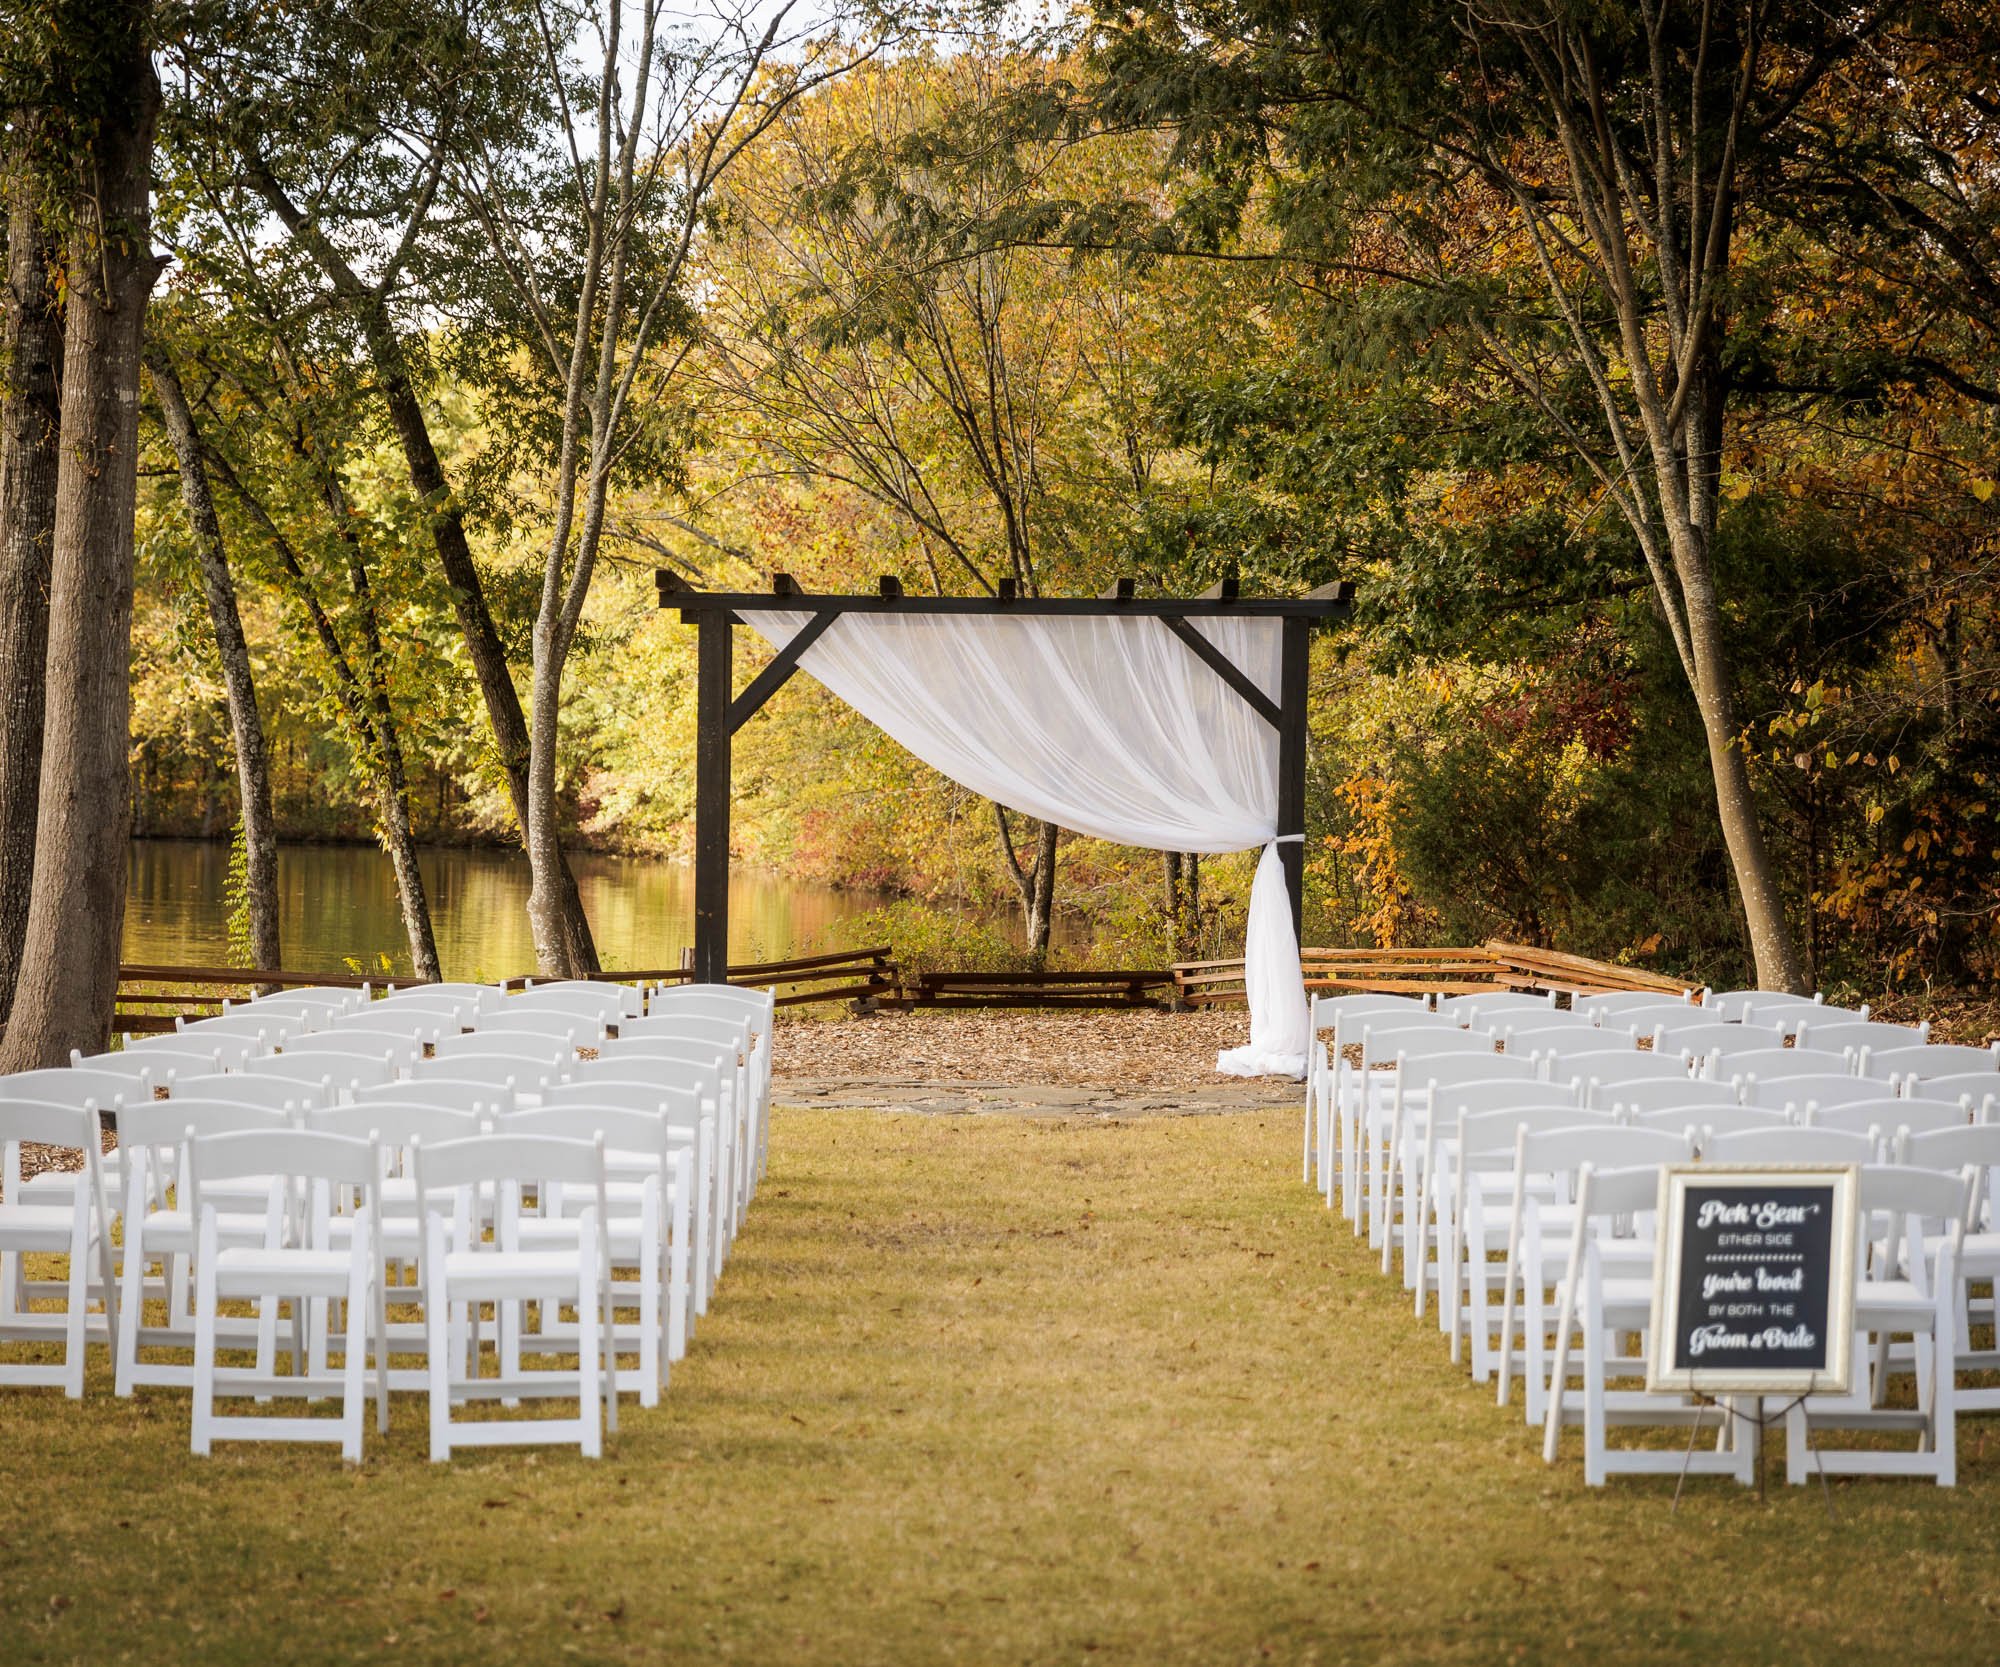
(1109,726)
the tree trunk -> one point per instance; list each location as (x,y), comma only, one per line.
(30,425)
(391,773)
(1041,914)
(69,962)
(253,768)
(1691,535)
(365,706)
(563,906)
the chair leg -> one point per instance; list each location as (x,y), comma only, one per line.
(354,1364)
(203,1415)
(77,1321)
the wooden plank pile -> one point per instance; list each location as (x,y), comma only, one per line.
(1445,971)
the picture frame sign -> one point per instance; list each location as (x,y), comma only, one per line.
(1753,1280)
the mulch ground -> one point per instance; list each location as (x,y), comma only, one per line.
(1142,1049)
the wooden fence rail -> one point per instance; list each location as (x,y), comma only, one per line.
(152,998)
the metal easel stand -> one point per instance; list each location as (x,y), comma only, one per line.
(1760,1421)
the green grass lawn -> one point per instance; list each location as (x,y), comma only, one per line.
(990,1390)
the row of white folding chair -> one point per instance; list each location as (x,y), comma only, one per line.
(605,998)
(757,1009)
(1774,1006)
(1385,1151)
(1540,1154)
(312,1267)
(1370,1103)
(73,1221)
(398,1114)
(1609,1007)
(314,1001)
(1913,1287)
(1327,1074)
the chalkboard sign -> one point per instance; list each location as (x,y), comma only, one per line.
(1753,1280)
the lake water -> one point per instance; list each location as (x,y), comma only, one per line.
(337,901)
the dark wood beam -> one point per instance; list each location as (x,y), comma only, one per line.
(889,587)
(775,676)
(1294,663)
(1223,590)
(715,652)
(1121,590)
(1226,669)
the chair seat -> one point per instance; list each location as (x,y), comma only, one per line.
(35,1226)
(477,1270)
(241,1269)
(622,1231)
(1892,1305)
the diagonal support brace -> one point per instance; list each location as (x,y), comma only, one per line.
(1226,669)
(774,676)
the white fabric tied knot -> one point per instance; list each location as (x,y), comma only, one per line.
(1108,725)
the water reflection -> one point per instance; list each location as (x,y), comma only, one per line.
(337,901)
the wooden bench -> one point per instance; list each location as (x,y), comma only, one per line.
(1150,988)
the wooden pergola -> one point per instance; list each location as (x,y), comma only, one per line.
(720,711)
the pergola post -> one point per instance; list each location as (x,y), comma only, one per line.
(715,643)
(1294,659)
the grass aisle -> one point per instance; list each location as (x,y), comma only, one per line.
(989,1390)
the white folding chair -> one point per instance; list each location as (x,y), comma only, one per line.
(1794,1092)
(67,1085)
(1841,1035)
(1954,1151)
(1637,1099)
(1756,1064)
(1606,1292)
(78,1227)
(691,1117)
(648,1177)
(506,1275)
(1643,1018)
(1608,1075)
(1480,1155)
(316,1005)
(1369,1097)
(1411,1146)
(1979,1091)
(731,1034)
(477,996)
(1704,1040)
(1711,1119)
(1888,1115)
(1791,1144)
(1450,1089)
(601,996)
(712,1073)
(349,1056)
(395,1126)
(507,1071)
(158,1064)
(245,1088)
(518,1016)
(556,1047)
(1493,1009)
(159,1225)
(264,1030)
(422,1022)
(334,1073)
(229,1048)
(1612,1006)
(1935,1059)
(1538,1225)
(1901,1294)
(302,1267)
